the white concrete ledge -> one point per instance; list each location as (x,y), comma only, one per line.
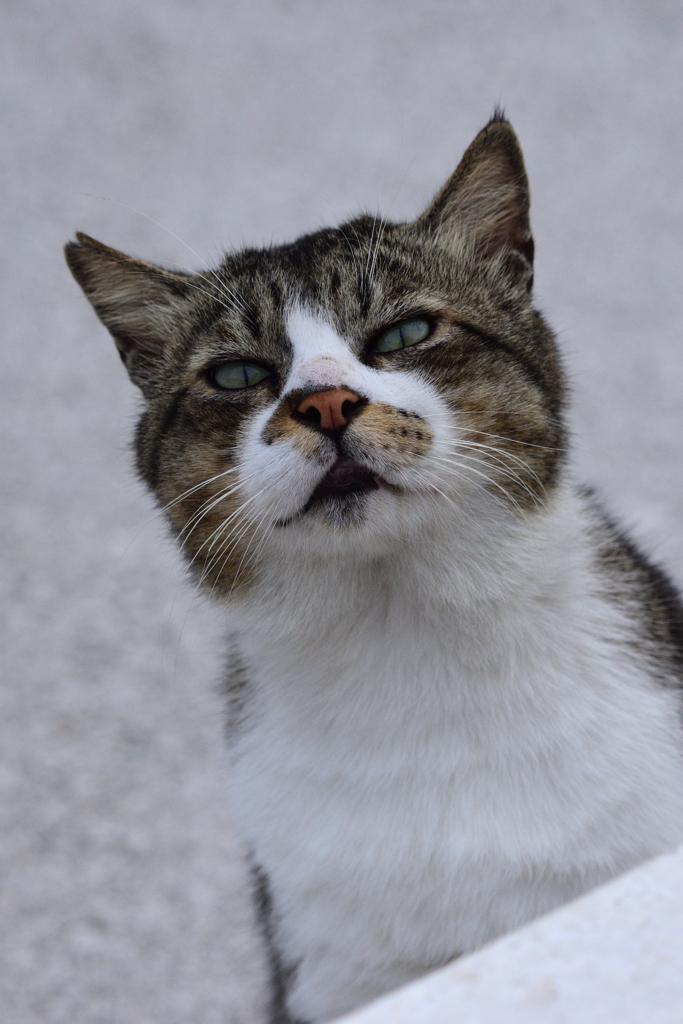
(615,956)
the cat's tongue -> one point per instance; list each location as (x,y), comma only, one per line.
(344,477)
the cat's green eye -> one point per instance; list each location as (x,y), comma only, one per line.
(237,375)
(402,335)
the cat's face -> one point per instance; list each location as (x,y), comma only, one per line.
(351,392)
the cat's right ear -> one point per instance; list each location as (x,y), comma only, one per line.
(141,305)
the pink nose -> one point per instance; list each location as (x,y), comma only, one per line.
(329,407)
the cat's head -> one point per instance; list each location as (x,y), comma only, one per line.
(348,393)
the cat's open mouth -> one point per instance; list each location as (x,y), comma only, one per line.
(342,486)
(346,476)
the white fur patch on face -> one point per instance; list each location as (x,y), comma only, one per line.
(323,358)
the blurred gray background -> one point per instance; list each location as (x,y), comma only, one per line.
(170,130)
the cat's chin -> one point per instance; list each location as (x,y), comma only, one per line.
(367,523)
(339,510)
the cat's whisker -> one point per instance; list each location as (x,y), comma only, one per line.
(501,453)
(197,487)
(210,503)
(460,443)
(267,514)
(241,524)
(193,522)
(452,464)
(501,437)
(188,528)
(505,470)
(462,513)
(460,452)
(207,504)
(249,524)
(253,558)
(164,508)
(214,536)
(184,533)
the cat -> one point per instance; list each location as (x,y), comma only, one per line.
(455,688)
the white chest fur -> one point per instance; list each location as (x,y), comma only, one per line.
(420,774)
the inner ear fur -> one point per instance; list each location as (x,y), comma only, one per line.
(484,205)
(141,305)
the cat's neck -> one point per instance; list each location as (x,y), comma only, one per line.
(474,587)
(496,647)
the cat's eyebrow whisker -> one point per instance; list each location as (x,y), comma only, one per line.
(233,298)
(351,250)
(367,258)
(236,300)
(373,266)
(366,277)
(173,235)
(168,231)
(383,224)
(218,295)
(361,279)
(227,299)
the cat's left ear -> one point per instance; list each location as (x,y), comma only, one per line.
(484,206)
(143,306)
